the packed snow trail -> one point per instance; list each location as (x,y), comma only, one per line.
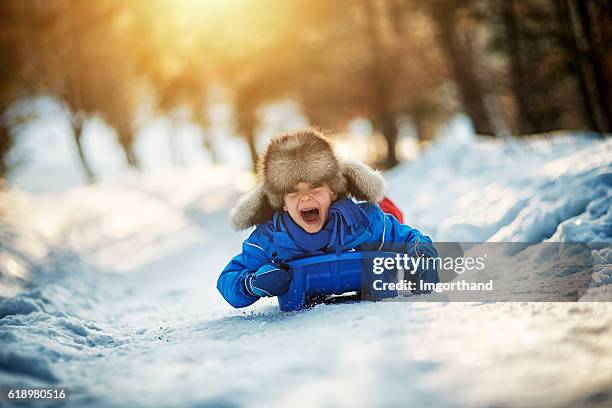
(110,290)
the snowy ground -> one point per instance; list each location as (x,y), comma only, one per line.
(110,290)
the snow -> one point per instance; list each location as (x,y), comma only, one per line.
(109,289)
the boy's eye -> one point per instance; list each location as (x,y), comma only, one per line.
(316,185)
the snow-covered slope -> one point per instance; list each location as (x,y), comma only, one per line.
(110,290)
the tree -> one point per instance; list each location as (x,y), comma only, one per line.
(118,109)
(545,81)
(575,21)
(453,24)
(5,146)
(270,63)
(16,27)
(384,118)
(568,26)
(527,119)
(79,61)
(596,19)
(175,62)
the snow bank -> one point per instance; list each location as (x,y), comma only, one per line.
(517,191)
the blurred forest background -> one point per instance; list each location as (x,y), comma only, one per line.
(514,67)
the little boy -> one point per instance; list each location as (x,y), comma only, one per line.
(302,207)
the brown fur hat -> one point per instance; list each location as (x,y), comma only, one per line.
(303,156)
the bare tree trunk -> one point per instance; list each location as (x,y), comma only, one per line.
(246,124)
(173,140)
(126,140)
(527,122)
(460,58)
(423,126)
(569,33)
(207,143)
(595,59)
(131,157)
(210,148)
(128,150)
(384,116)
(5,146)
(250,139)
(247,120)
(77,132)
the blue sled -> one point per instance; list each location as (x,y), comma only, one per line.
(332,274)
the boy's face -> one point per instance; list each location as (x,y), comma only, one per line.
(308,205)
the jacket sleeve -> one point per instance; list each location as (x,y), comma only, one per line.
(232,279)
(403,238)
(417,244)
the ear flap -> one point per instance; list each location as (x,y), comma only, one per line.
(253,208)
(363,182)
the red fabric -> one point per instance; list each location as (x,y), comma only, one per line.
(390,208)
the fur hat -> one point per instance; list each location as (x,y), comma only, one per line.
(303,156)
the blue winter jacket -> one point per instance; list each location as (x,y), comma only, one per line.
(271,244)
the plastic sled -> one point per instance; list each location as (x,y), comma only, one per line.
(331,274)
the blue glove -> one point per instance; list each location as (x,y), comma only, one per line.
(427,271)
(421,248)
(269,280)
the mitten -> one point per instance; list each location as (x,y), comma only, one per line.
(269,280)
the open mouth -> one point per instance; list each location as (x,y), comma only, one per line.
(310,215)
